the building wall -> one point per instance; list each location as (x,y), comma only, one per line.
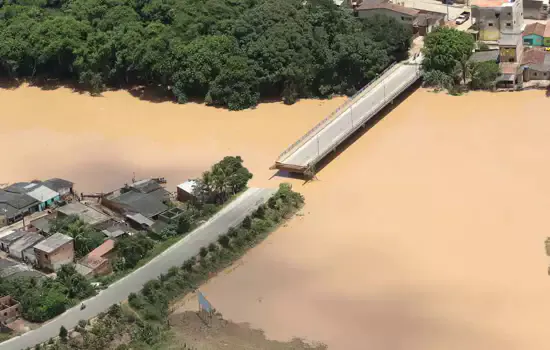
(7,314)
(29,256)
(183,196)
(508,54)
(533,40)
(3,220)
(53,261)
(531,74)
(403,18)
(494,20)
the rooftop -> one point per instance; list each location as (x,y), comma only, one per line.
(14,236)
(534,28)
(26,241)
(43,194)
(21,187)
(5,263)
(116,230)
(546,31)
(103,249)
(146,186)
(366,6)
(57,184)
(509,68)
(16,200)
(507,39)
(484,56)
(140,219)
(188,186)
(533,56)
(42,224)
(18,270)
(87,214)
(147,204)
(491,3)
(53,242)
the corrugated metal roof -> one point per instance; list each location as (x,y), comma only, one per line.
(188,186)
(43,194)
(53,242)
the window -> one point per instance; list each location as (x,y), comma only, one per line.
(5,314)
(508,24)
(46,256)
(402,18)
(490,24)
(534,74)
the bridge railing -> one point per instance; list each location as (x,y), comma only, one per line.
(337,111)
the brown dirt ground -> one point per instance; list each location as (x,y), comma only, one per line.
(217,334)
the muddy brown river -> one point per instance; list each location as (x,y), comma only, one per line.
(426,233)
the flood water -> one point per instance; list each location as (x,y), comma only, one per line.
(426,233)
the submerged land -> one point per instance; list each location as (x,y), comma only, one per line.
(426,233)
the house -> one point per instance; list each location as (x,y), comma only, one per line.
(97,262)
(402,14)
(11,269)
(426,21)
(496,17)
(10,309)
(61,186)
(146,197)
(185,190)
(13,206)
(533,34)
(44,196)
(535,9)
(85,213)
(54,251)
(7,240)
(536,64)
(510,75)
(28,240)
(510,48)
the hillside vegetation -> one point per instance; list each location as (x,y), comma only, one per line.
(226,52)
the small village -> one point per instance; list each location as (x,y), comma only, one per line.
(514,34)
(30,246)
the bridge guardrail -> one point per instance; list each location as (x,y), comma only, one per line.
(341,108)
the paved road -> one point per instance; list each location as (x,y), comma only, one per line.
(189,246)
(354,114)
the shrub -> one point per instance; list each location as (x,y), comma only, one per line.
(63,333)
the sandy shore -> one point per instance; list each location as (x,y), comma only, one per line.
(426,233)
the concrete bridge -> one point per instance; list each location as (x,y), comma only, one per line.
(305,153)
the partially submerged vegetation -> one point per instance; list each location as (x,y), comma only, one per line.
(447,64)
(228,52)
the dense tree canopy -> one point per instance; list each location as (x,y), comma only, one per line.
(227,52)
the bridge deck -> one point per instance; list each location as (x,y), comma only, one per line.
(330,132)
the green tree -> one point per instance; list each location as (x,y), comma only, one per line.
(445,49)
(483,74)
(132,249)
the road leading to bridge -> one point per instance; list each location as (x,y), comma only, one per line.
(302,156)
(233,214)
